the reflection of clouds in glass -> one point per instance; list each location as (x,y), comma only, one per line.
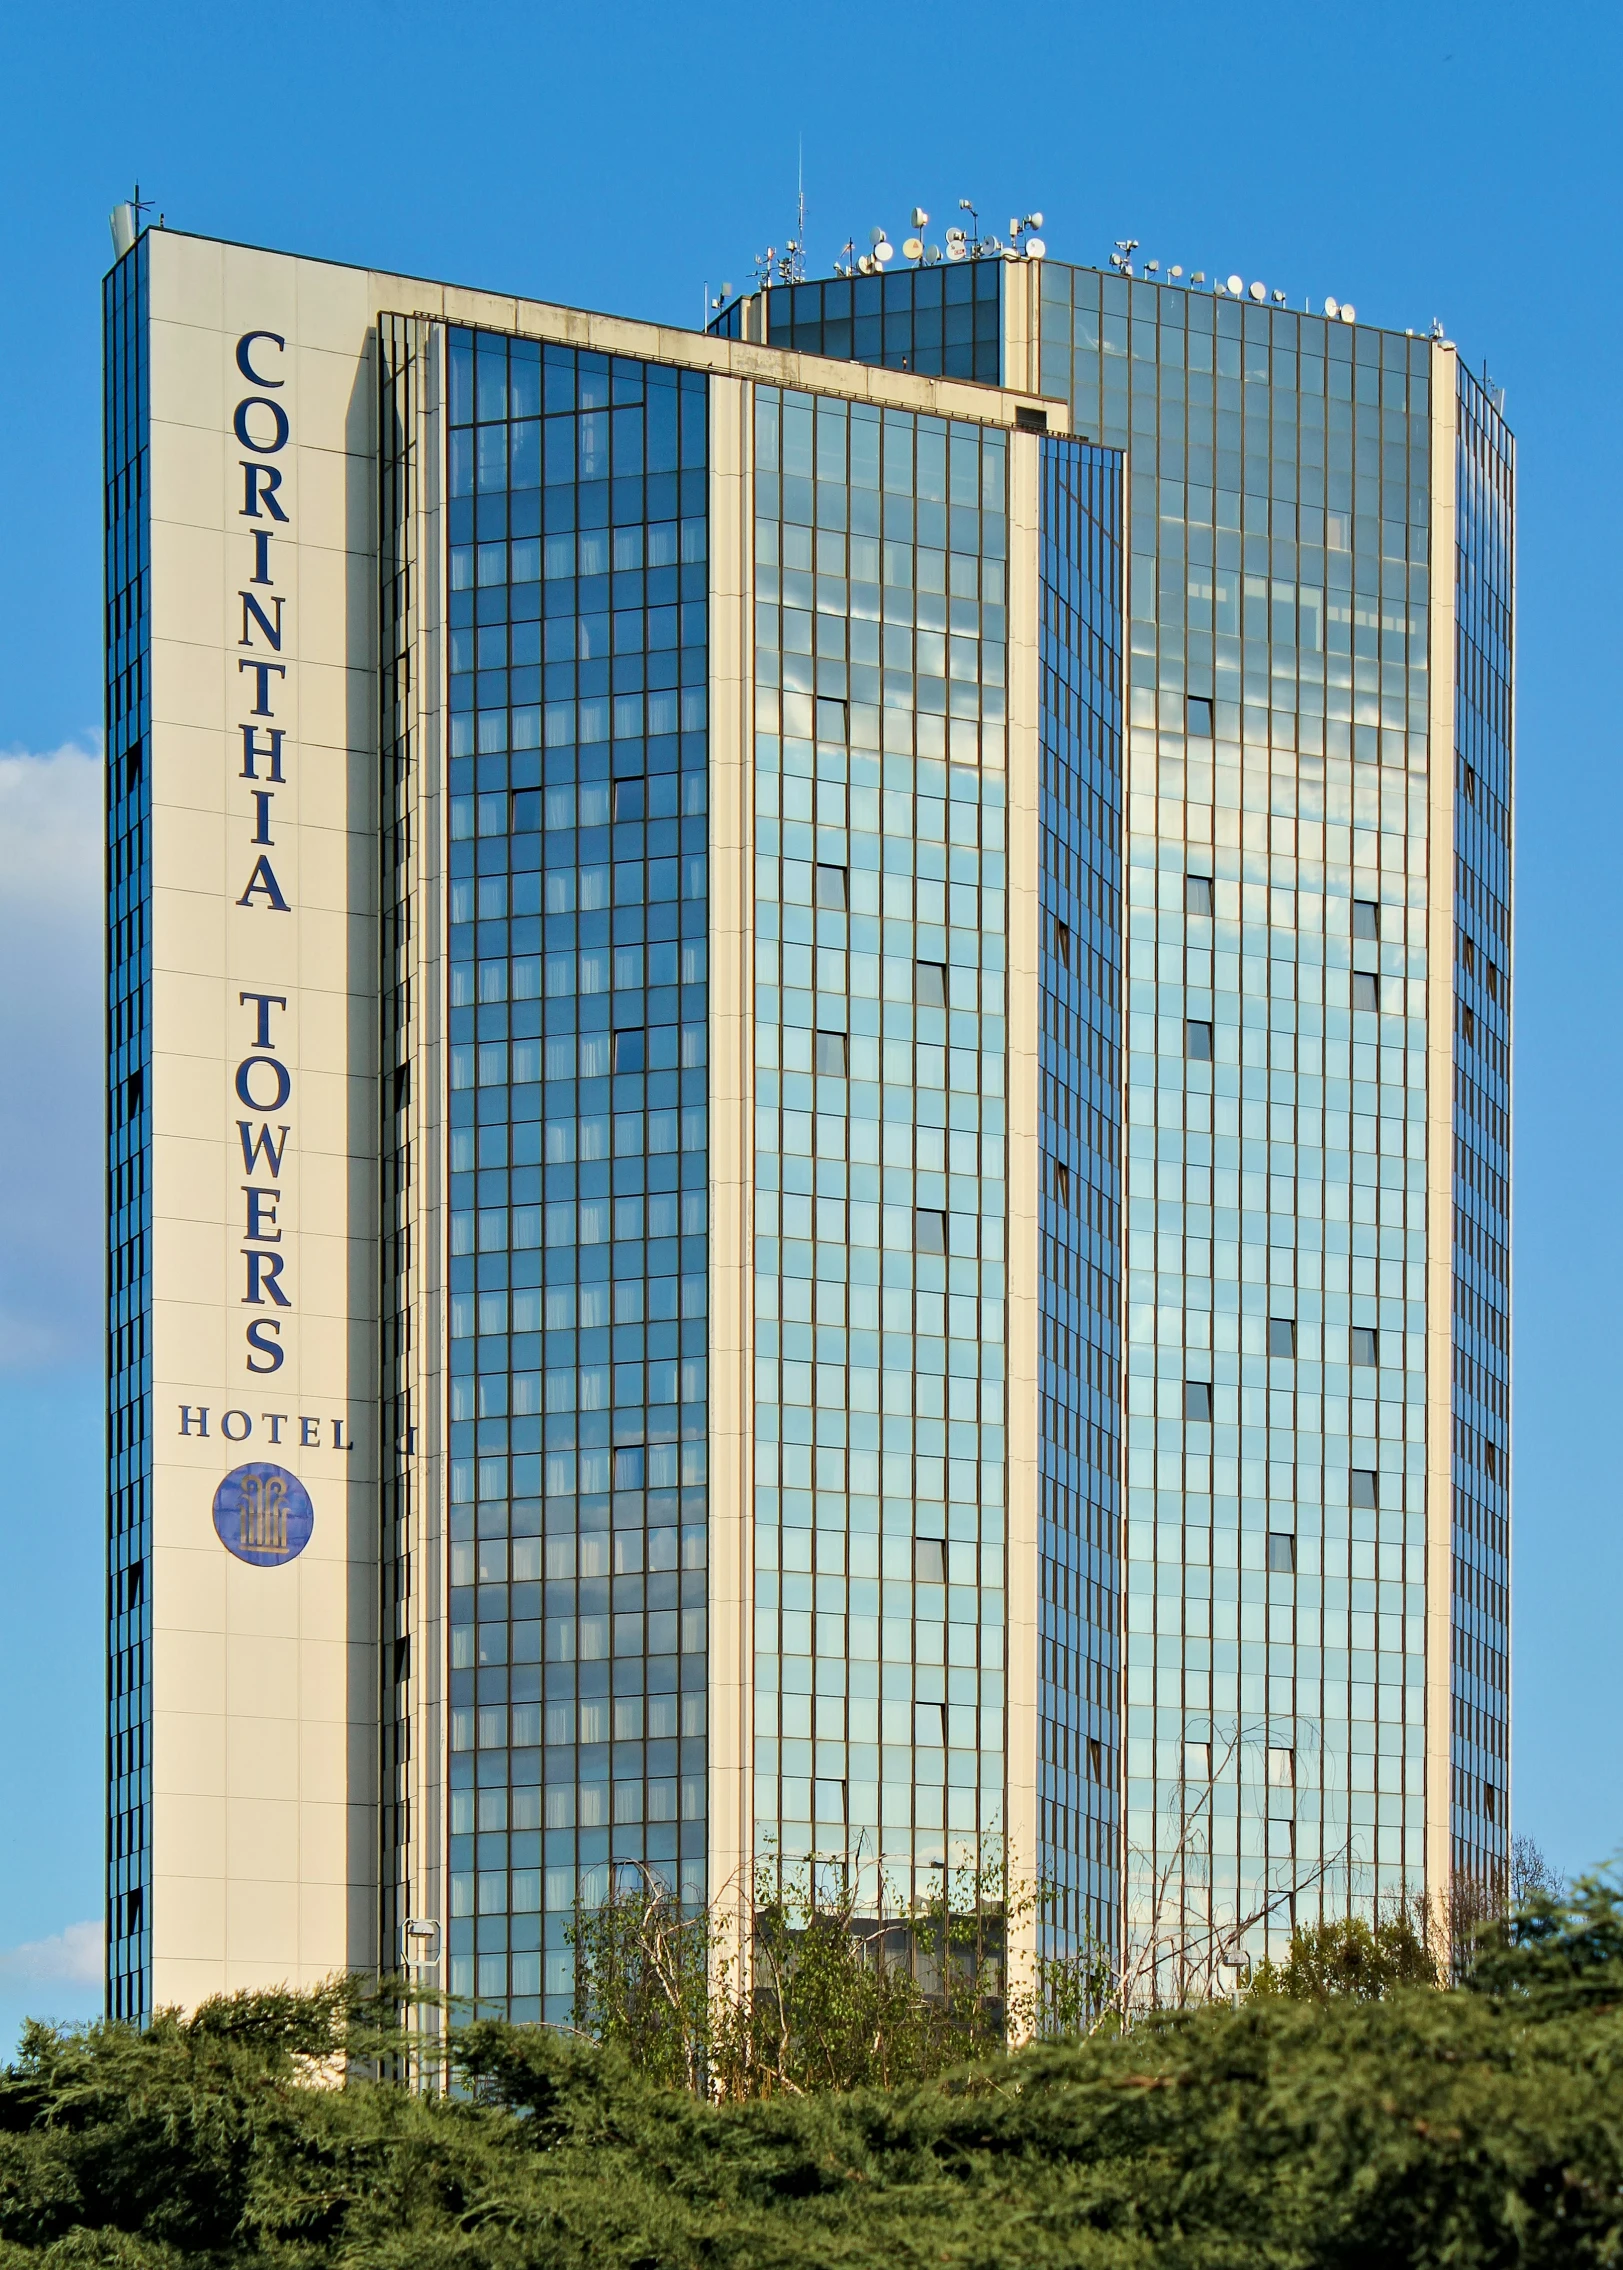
(50,1041)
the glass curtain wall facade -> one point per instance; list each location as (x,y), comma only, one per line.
(881,562)
(1280,875)
(129,1124)
(1483,785)
(1275,1100)
(945,321)
(1080,520)
(577,1022)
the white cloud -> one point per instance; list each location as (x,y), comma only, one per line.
(69,1958)
(50,1043)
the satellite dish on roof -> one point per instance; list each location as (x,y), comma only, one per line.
(1236,285)
(1035,248)
(1259,291)
(1332,308)
(914,248)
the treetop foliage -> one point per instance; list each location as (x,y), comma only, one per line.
(1342,2127)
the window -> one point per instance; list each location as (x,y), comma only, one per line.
(1281,1553)
(1468,783)
(1062,944)
(1062,1182)
(1197,1040)
(628,803)
(1490,1461)
(1488,1796)
(1029,419)
(1197,1400)
(1281,1336)
(1366,991)
(1361,1487)
(1366,918)
(1096,1758)
(1467,1024)
(1197,716)
(1282,1769)
(929,1561)
(929,1230)
(1197,1761)
(828,889)
(1468,957)
(929,985)
(930,1725)
(832,722)
(1492,975)
(1365,1348)
(830,1055)
(629,1051)
(1197,894)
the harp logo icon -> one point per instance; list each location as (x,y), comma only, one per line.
(263,1514)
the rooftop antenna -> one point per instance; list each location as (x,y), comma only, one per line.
(125,222)
(1122,257)
(800,206)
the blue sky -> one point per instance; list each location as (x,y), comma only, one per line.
(1418,160)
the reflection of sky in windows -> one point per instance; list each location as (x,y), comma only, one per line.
(578,1147)
(129,1281)
(1281,471)
(1482,732)
(939,321)
(1080,1058)
(881,544)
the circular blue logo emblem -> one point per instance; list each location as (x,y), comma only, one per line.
(263,1514)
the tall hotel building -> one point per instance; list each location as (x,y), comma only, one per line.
(807,1111)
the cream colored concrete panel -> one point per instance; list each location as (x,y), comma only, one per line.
(261,289)
(263,1858)
(192,1010)
(187,1095)
(185,278)
(193,1344)
(262,1764)
(187,847)
(190,566)
(324,1921)
(189,690)
(323,1767)
(188,1667)
(336,306)
(188,1909)
(191,770)
(190,473)
(188,933)
(194,1746)
(195,382)
(336,393)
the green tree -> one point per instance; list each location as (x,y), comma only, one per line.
(1348,1957)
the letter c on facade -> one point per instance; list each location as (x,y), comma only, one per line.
(254,377)
(239,425)
(245,1085)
